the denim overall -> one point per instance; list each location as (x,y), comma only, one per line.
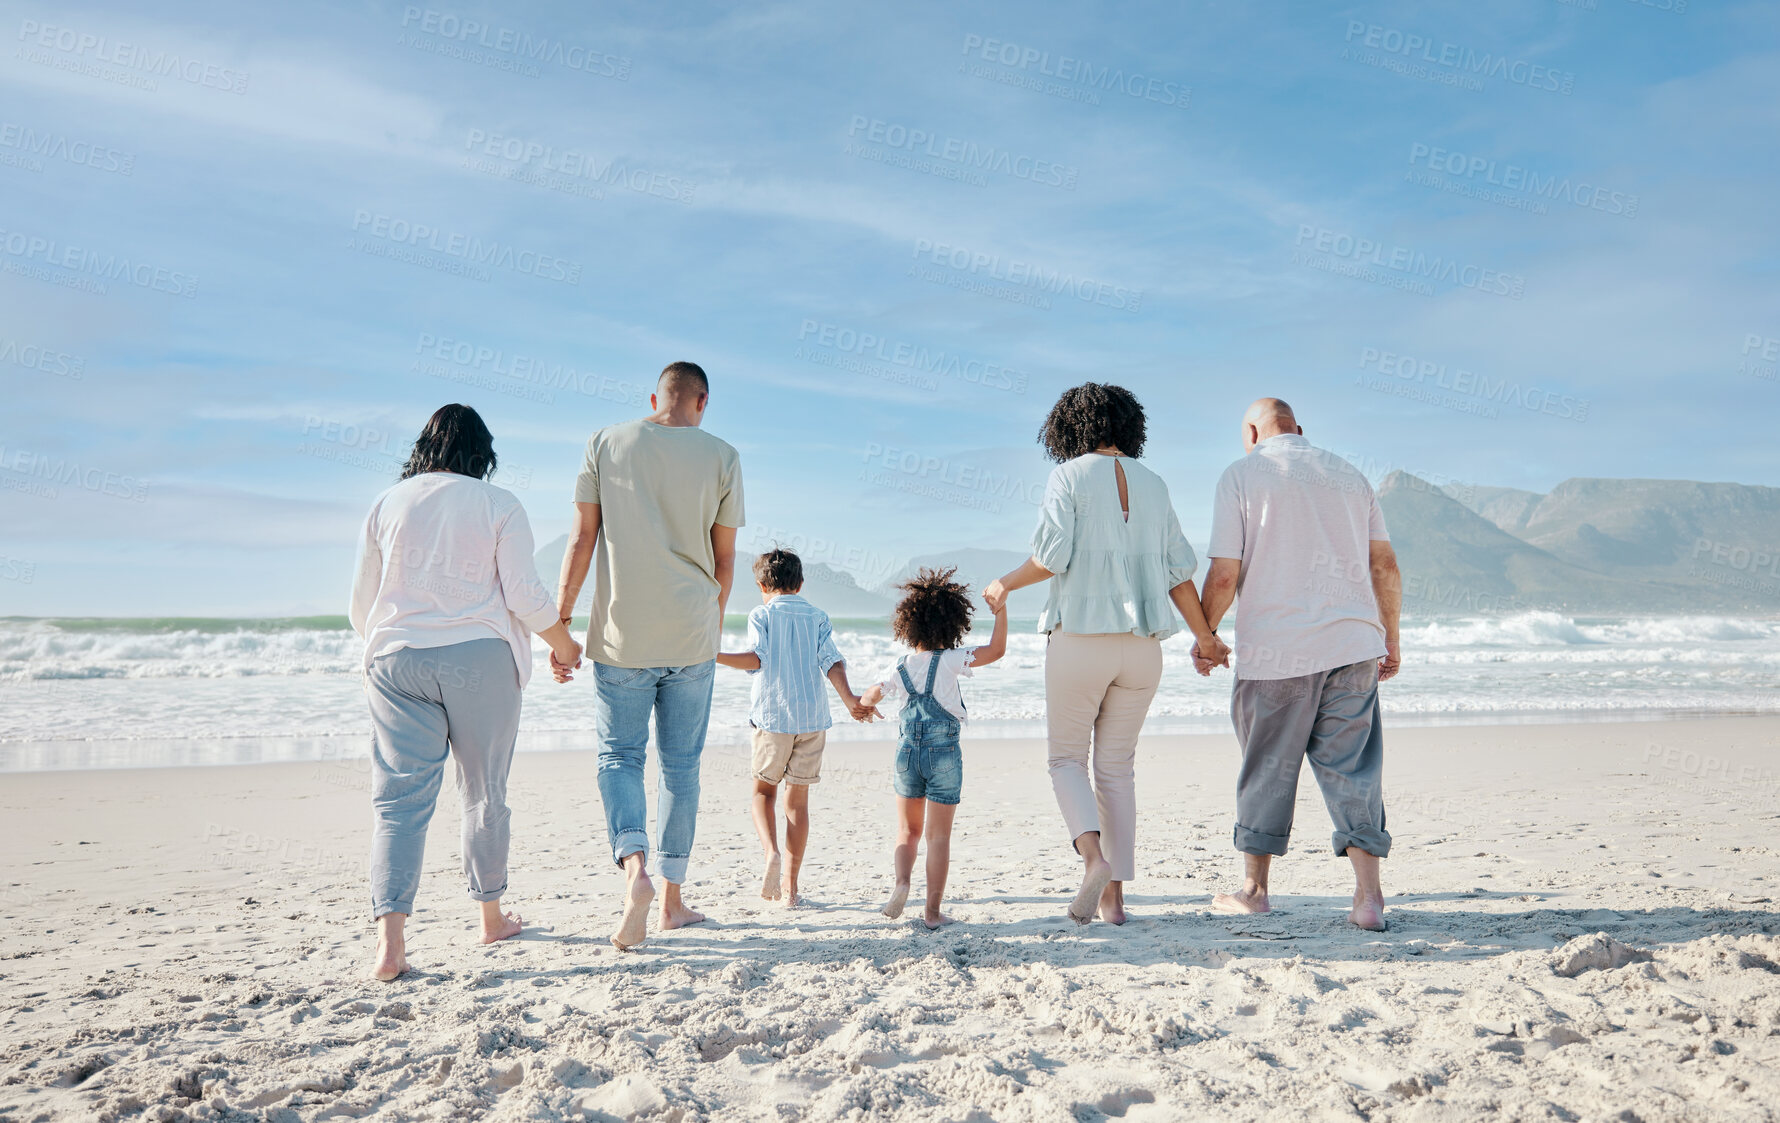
(928,763)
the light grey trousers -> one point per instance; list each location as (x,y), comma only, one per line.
(1329,718)
(460,700)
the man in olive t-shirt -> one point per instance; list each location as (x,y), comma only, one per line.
(657,506)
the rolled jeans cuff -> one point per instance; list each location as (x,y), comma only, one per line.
(630,841)
(1374,842)
(672,867)
(1250,841)
(379,908)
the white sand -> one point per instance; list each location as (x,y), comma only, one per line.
(190,943)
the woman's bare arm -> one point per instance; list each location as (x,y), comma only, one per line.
(1029,573)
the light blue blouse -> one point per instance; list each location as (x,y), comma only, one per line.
(1112,575)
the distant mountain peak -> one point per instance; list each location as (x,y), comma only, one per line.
(1599,545)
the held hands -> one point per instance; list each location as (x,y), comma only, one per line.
(561,668)
(996,594)
(1209,652)
(860,711)
(865,707)
(863,712)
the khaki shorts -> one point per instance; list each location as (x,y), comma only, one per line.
(795,758)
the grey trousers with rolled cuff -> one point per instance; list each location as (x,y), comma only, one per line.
(428,703)
(1329,718)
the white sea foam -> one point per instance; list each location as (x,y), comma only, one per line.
(42,650)
(1544,628)
(145,681)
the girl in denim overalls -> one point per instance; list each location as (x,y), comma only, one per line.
(933,618)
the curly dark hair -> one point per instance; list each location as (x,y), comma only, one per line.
(454,440)
(1090,416)
(779,570)
(934,613)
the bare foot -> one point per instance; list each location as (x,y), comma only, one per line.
(392,961)
(1368,913)
(1249,900)
(677,915)
(769,888)
(792,900)
(899,896)
(1112,903)
(1095,877)
(935,920)
(510,925)
(635,924)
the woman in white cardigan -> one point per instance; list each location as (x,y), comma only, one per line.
(1120,568)
(446,598)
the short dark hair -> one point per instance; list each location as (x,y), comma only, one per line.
(779,570)
(677,378)
(934,613)
(1090,416)
(454,440)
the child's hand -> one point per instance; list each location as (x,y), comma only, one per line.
(855,707)
(863,712)
(996,595)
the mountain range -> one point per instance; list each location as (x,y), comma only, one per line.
(1604,546)
(1588,545)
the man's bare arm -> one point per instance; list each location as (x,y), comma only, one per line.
(723,547)
(1220,590)
(584,531)
(1387,586)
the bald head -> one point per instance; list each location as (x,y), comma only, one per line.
(1267,417)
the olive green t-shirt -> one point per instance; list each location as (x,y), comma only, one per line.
(660,489)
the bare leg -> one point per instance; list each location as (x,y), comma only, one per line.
(392,948)
(1253,896)
(1096,875)
(639,892)
(910,814)
(674,912)
(939,860)
(498,925)
(797,838)
(766,824)
(1368,910)
(1112,903)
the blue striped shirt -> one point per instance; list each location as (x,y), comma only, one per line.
(795,643)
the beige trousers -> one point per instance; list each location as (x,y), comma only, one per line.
(1098,691)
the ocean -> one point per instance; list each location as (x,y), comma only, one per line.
(92,693)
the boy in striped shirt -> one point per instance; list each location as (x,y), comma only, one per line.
(791,650)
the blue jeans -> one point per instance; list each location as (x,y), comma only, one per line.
(680,698)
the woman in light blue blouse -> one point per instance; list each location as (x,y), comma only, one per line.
(1109,537)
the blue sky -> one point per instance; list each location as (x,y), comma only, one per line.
(1503,244)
